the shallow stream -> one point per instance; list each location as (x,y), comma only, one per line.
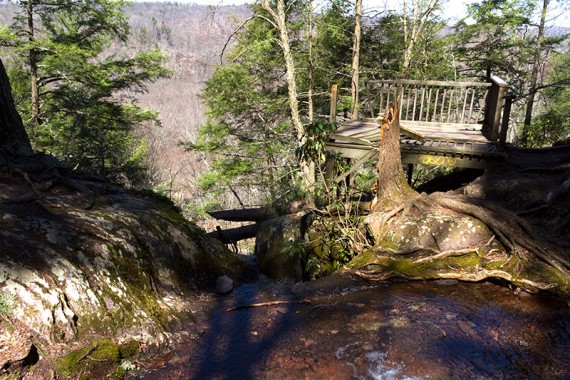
(343,328)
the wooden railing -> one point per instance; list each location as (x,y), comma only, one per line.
(441,105)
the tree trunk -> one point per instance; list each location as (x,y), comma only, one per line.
(534,74)
(412,33)
(310,63)
(392,185)
(33,61)
(12,131)
(356,59)
(280,22)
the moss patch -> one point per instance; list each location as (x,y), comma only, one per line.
(101,359)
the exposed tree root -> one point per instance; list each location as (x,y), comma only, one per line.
(43,172)
(479,275)
(515,252)
(513,231)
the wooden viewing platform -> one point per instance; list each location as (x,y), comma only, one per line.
(459,124)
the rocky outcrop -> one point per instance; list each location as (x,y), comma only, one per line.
(281,247)
(80,257)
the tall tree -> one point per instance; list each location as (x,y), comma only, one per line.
(536,63)
(334,39)
(33,62)
(356,59)
(488,44)
(279,21)
(12,131)
(80,109)
(248,137)
(415,18)
(310,42)
(552,123)
(382,46)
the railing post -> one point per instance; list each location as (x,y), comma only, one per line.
(494,107)
(334,99)
(509,98)
(329,163)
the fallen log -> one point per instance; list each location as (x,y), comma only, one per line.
(233,235)
(243,215)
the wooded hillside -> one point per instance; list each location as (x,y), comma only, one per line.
(192,37)
(249,142)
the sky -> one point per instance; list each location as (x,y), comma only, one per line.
(452,9)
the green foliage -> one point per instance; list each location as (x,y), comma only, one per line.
(491,35)
(247,133)
(314,147)
(336,240)
(333,45)
(295,248)
(382,46)
(165,189)
(87,109)
(433,56)
(7,302)
(553,123)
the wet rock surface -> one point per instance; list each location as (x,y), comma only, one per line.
(82,259)
(350,329)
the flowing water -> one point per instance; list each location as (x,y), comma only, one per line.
(343,328)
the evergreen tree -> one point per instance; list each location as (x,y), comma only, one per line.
(490,37)
(553,124)
(247,134)
(333,49)
(382,46)
(81,107)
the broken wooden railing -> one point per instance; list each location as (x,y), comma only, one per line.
(442,105)
(461,124)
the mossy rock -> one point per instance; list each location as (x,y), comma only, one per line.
(280,247)
(100,359)
(438,245)
(119,266)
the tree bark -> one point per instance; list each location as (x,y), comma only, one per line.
(393,188)
(356,59)
(280,22)
(412,33)
(534,74)
(12,131)
(310,72)
(243,215)
(33,61)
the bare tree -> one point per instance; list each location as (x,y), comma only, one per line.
(534,73)
(279,21)
(33,62)
(414,25)
(356,58)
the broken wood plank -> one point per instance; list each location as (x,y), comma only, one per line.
(350,139)
(411,133)
(367,157)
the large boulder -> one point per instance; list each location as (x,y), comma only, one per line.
(82,258)
(281,245)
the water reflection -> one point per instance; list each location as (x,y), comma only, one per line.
(356,330)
